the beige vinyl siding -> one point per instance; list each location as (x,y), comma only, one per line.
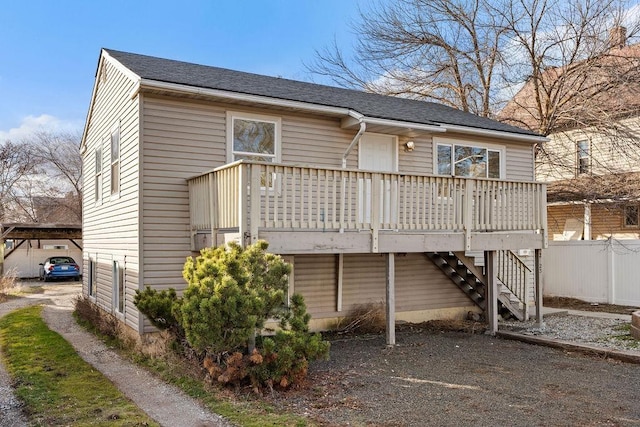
(316,280)
(110,228)
(418,161)
(519,162)
(180,140)
(363,280)
(420,285)
(315,141)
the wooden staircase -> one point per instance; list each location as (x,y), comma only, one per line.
(468,274)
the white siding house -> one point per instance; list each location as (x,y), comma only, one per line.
(346,185)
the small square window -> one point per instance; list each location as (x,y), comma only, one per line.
(584,159)
(632,216)
(115,161)
(253,137)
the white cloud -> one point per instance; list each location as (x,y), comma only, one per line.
(43,122)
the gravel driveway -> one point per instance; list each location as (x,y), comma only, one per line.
(450,378)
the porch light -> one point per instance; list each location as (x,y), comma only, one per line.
(409,146)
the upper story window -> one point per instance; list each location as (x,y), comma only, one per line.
(584,159)
(468,161)
(253,137)
(115,160)
(632,216)
(98,175)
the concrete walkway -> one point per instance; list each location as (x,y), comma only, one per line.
(164,403)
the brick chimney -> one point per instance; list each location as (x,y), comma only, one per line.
(617,37)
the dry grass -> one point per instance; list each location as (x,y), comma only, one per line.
(576,304)
(8,282)
(363,319)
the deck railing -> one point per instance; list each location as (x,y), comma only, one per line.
(250,196)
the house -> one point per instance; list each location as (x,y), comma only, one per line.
(592,158)
(371,198)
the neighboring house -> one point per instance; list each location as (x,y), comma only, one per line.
(367,196)
(592,161)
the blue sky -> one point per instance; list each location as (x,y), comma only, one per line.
(49,49)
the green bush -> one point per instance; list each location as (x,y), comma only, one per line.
(158,307)
(231,293)
(287,354)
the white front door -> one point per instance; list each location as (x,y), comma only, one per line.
(379,153)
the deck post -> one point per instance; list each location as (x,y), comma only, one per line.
(491,268)
(254,204)
(340,262)
(538,281)
(376,179)
(391,300)
(243,213)
(213,208)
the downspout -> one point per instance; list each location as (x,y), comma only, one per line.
(356,139)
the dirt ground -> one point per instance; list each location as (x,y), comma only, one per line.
(456,378)
(576,304)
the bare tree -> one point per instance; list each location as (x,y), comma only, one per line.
(16,162)
(445,51)
(58,153)
(546,65)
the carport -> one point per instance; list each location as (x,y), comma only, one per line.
(23,232)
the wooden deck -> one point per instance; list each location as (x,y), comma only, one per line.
(300,209)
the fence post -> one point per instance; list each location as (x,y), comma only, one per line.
(611,270)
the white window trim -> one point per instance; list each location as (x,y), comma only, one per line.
(98,176)
(277,121)
(452,142)
(115,195)
(579,157)
(624,217)
(91,275)
(114,273)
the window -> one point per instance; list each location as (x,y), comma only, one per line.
(584,160)
(632,216)
(115,161)
(253,137)
(98,175)
(93,278)
(468,161)
(118,287)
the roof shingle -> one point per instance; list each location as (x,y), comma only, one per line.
(369,104)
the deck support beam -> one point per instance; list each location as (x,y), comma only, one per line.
(491,269)
(391,300)
(538,283)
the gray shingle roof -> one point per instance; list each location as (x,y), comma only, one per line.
(369,104)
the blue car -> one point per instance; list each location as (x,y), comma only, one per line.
(63,267)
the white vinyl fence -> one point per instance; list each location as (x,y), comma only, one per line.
(603,271)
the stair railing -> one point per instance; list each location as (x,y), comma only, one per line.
(513,273)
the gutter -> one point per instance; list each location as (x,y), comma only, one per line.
(494,133)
